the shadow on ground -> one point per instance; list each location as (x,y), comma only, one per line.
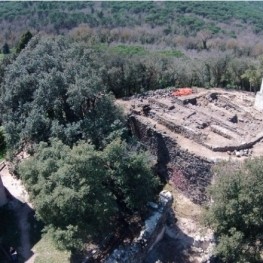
(19,231)
(171,249)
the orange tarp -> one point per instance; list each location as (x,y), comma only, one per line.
(182,92)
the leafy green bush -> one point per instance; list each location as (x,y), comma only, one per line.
(236,213)
(80,193)
(171,53)
(25,38)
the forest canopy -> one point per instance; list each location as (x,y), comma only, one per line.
(86,175)
(54,89)
(81,194)
(62,64)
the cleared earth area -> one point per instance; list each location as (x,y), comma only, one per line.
(214,123)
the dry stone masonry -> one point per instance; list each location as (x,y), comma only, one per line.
(188,134)
(152,232)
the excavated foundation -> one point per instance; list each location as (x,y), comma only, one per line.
(189,134)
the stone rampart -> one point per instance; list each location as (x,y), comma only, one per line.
(190,173)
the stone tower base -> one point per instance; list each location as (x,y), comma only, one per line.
(259,101)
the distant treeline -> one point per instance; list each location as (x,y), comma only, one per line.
(150,45)
(169,18)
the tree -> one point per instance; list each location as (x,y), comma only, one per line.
(23,41)
(79,193)
(54,89)
(237,67)
(204,36)
(217,68)
(7,60)
(254,74)
(5,49)
(236,214)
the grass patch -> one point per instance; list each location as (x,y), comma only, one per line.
(129,50)
(1,56)
(46,251)
(126,50)
(171,53)
(184,207)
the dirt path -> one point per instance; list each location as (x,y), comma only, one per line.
(22,208)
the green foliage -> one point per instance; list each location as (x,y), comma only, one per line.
(125,77)
(129,50)
(129,175)
(236,213)
(23,41)
(5,49)
(54,88)
(192,16)
(4,62)
(254,74)
(137,31)
(171,53)
(80,192)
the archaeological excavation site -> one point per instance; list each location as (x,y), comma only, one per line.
(191,129)
(188,131)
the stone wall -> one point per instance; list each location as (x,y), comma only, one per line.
(152,232)
(259,99)
(190,173)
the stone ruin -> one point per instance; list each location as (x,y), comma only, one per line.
(3,198)
(188,134)
(151,233)
(259,99)
(162,224)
